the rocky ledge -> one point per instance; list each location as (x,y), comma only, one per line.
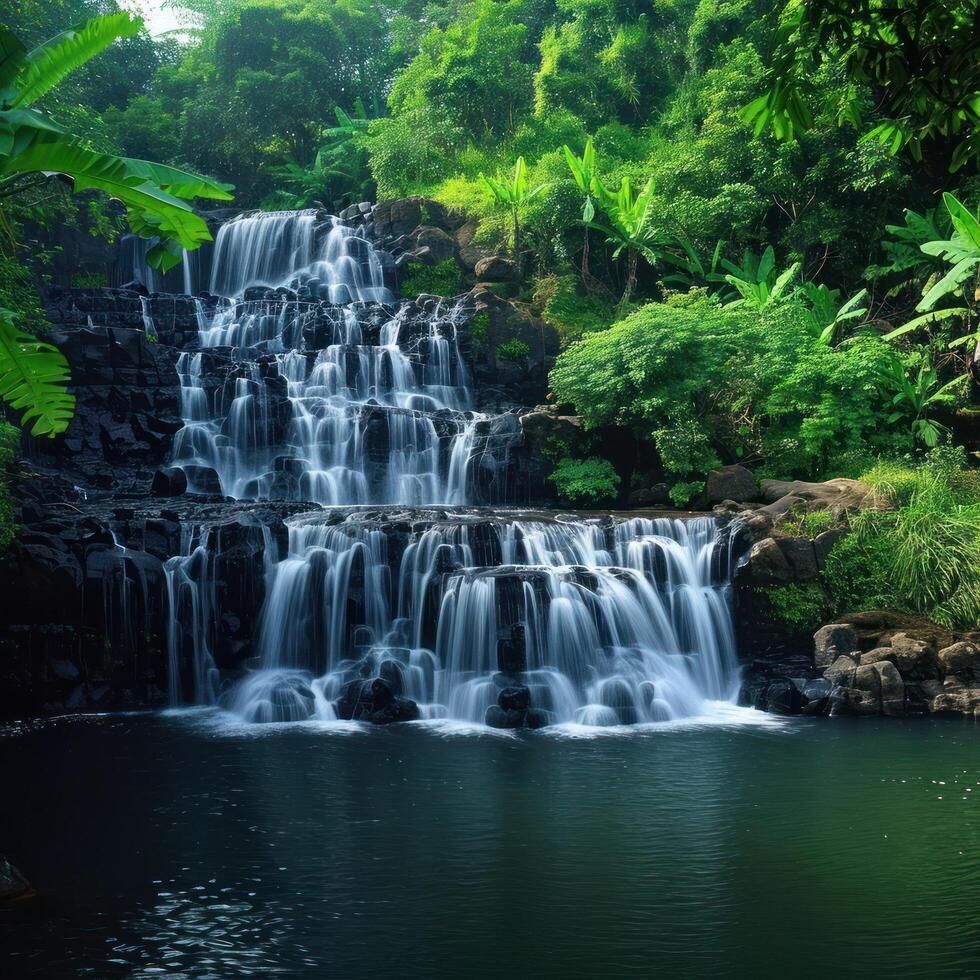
(875,663)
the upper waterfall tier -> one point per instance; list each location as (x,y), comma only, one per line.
(311,382)
(271,249)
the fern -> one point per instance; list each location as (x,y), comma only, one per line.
(33,375)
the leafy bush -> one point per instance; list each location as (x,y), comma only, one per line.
(681,494)
(443,279)
(514,350)
(803,607)
(570,312)
(585,481)
(18,293)
(923,557)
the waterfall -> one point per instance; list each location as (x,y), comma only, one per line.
(321,388)
(311,382)
(614,624)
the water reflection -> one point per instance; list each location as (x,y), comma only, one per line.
(169,848)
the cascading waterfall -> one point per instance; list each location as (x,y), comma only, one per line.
(321,387)
(307,400)
(609,625)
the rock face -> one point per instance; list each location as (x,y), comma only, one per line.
(870,668)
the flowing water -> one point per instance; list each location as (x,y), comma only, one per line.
(191,846)
(311,382)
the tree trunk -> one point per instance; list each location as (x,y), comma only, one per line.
(631,262)
(518,255)
(586,275)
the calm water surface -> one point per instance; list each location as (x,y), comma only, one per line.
(177,846)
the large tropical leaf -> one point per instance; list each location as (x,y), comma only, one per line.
(179,183)
(50,62)
(33,375)
(91,170)
(12,54)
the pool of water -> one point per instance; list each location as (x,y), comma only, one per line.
(185,846)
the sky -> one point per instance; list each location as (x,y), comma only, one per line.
(157,17)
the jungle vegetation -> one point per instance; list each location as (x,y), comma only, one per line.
(755,225)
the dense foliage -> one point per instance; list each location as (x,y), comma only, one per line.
(755,226)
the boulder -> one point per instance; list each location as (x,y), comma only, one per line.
(783,698)
(435,244)
(654,496)
(833,641)
(823,543)
(961,660)
(837,495)
(169,481)
(497,717)
(730,483)
(816,695)
(470,255)
(768,564)
(374,701)
(914,657)
(892,688)
(800,557)
(957,701)
(13,885)
(495,268)
(517,698)
(841,671)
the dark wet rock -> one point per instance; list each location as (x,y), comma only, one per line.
(497,717)
(783,698)
(815,696)
(495,268)
(730,483)
(169,481)
(13,885)
(768,563)
(374,701)
(514,698)
(823,544)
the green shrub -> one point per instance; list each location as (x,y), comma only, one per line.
(443,279)
(514,350)
(803,607)
(681,494)
(82,280)
(923,557)
(18,293)
(585,481)
(479,327)
(567,310)
(857,575)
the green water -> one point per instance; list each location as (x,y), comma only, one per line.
(175,846)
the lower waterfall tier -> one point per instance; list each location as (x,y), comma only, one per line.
(513,619)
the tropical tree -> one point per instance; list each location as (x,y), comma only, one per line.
(628,227)
(922,55)
(827,314)
(692,269)
(960,257)
(913,397)
(756,280)
(32,149)
(514,195)
(585,171)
